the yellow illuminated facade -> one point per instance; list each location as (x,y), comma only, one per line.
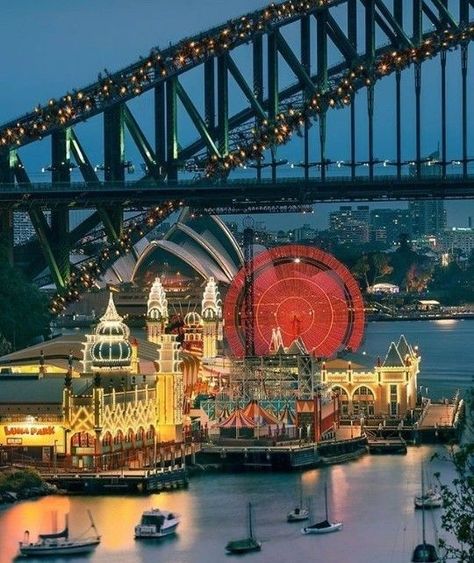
(389,389)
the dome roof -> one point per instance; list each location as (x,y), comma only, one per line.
(197,247)
(105,353)
(111,325)
(192,319)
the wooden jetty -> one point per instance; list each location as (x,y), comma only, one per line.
(241,455)
(385,444)
(119,482)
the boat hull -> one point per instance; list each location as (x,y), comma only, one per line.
(149,533)
(243,546)
(297,517)
(335,527)
(70,548)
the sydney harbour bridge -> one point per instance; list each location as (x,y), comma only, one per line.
(263,84)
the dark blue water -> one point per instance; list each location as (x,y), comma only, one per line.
(373,496)
(446,348)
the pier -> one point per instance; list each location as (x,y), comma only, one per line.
(123,482)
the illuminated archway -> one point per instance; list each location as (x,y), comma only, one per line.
(363,401)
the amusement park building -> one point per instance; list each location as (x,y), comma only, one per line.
(388,388)
(106,400)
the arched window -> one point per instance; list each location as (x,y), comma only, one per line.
(343,399)
(363,401)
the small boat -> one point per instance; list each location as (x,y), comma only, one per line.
(325,526)
(246,544)
(431,499)
(59,543)
(299,513)
(156,523)
(424,552)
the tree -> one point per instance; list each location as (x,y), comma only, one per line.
(458,497)
(24,313)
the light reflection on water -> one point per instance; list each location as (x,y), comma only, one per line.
(372,496)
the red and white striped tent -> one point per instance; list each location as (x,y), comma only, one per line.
(237,425)
(259,415)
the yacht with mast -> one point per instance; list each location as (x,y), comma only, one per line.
(325,526)
(59,543)
(246,544)
(424,552)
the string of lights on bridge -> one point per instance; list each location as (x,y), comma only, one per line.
(267,135)
(89,272)
(132,81)
(279,132)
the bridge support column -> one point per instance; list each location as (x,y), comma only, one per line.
(6,213)
(464,60)
(370,112)
(418,118)
(114,167)
(60,240)
(172,129)
(258,83)
(443,113)
(398,118)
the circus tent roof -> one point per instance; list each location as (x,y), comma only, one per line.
(255,412)
(237,420)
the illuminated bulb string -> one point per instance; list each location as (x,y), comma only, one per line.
(279,131)
(87,274)
(132,81)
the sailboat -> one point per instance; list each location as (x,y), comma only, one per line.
(246,544)
(325,526)
(59,543)
(299,513)
(424,552)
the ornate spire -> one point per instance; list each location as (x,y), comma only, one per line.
(157,305)
(211,301)
(111,312)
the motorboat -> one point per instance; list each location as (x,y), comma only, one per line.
(156,523)
(245,545)
(299,513)
(59,543)
(325,526)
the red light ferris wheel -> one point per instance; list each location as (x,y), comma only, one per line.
(305,293)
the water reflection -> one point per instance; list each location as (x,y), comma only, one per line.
(372,496)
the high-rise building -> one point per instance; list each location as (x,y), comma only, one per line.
(386,225)
(427,217)
(350,226)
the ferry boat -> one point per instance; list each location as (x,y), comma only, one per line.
(156,523)
(59,543)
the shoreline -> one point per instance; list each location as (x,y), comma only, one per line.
(439,317)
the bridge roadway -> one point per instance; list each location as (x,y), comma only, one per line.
(241,193)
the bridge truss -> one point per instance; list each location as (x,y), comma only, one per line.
(263,80)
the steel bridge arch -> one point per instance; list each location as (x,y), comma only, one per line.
(221,135)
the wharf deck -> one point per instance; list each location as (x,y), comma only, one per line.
(117,482)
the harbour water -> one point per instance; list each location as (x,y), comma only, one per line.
(373,496)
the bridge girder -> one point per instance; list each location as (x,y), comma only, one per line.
(220,131)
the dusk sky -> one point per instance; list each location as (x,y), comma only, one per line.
(51,47)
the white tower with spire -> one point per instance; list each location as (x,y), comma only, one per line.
(157,311)
(212,319)
(109,347)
